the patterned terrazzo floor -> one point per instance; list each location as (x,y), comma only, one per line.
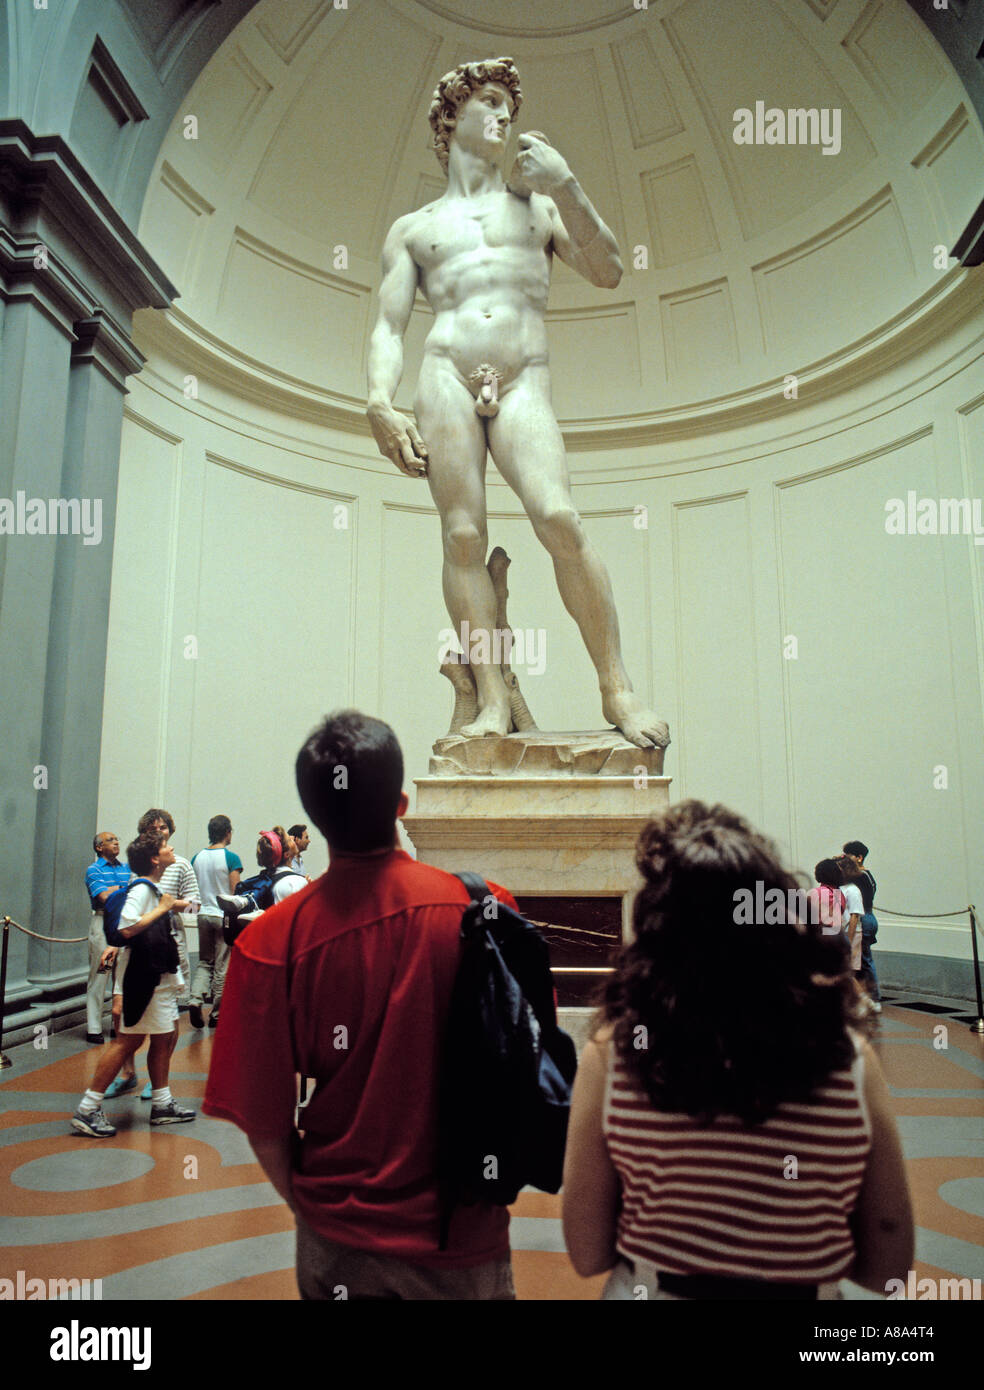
(136,1211)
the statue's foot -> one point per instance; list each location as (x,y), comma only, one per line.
(636,723)
(494,718)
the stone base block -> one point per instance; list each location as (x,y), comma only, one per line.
(547,816)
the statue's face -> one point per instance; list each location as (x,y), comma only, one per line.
(482,123)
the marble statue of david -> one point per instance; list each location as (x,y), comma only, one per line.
(481,255)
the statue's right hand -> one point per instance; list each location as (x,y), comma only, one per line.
(398,440)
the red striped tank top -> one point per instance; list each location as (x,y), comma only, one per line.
(770,1202)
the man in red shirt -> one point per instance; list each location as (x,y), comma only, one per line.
(349,982)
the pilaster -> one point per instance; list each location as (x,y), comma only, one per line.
(71,276)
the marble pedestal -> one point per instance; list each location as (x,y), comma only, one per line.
(551,815)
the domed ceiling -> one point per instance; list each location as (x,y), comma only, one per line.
(306,136)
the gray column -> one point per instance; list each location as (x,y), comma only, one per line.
(76,650)
(64,358)
(33,397)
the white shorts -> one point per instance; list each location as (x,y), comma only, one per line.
(161,1014)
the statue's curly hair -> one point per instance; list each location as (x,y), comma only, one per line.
(712,1017)
(454,89)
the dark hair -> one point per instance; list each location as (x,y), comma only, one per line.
(218,828)
(296,830)
(856,847)
(350,776)
(141,852)
(850,872)
(149,817)
(712,1017)
(828,873)
(97,841)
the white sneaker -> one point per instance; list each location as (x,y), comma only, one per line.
(93,1123)
(171,1114)
(233,903)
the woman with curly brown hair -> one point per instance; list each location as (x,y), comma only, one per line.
(730,1132)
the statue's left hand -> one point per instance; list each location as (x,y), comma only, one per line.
(541,167)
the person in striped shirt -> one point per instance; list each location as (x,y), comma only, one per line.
(179,880)
(730,1132)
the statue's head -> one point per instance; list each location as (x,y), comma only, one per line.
(455,88)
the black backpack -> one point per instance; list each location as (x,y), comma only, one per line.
(506,1067)
(153,952)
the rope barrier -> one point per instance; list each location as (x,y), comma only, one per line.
(976,1027)
(9,922)
(960,912)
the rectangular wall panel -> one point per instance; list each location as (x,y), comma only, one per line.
(646,96)
(139,648)
(717,738)
(274,630)
(594,359)
(681,227)
(412,696)
(875,632)
(699,331)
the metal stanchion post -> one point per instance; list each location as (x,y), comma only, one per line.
(4,1059)
(978,1025)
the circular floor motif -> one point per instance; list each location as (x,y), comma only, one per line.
(81,1169)
(967,1194)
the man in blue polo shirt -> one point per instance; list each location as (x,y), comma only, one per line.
(101,878)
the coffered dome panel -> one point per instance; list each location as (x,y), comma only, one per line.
(736,54)
(333,157)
